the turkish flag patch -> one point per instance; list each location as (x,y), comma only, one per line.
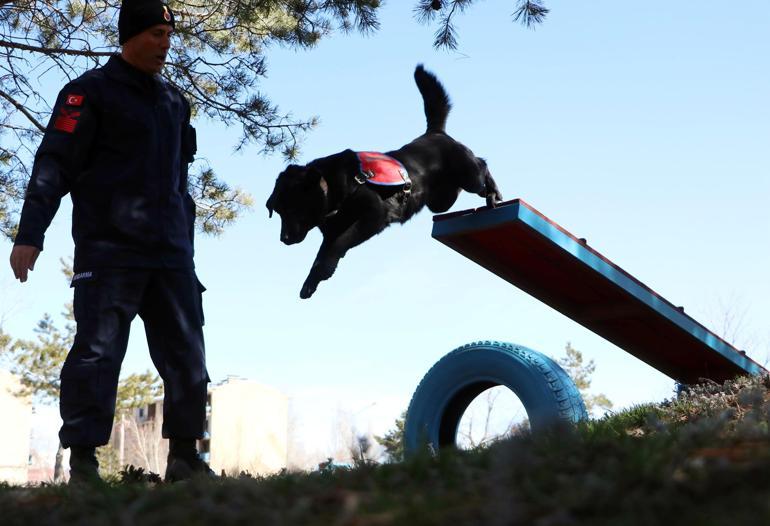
(74,100)
(66,120)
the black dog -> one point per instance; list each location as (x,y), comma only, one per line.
(351,203)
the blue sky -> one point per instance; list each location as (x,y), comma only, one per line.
(643,128)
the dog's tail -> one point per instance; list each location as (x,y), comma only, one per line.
(435,97)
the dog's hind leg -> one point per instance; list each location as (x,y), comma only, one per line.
(474,177)
(439,201)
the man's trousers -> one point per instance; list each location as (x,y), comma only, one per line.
(105,303)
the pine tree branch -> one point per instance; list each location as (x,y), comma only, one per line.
(530,12)
(240,110)
(14,128)
(55,51)
(19,106)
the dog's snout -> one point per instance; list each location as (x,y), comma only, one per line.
(288,237)
(292,237)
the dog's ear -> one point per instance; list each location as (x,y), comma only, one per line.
(269,205)
(324,185)
(314,173)
(294,170)
(316,177)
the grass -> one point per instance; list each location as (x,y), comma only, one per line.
(702,459)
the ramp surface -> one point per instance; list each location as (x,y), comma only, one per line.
(527,249)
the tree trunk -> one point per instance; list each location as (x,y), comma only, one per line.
(58,469)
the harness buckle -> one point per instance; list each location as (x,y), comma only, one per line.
(362,177)
(407,182)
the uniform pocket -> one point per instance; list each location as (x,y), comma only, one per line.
(84,302)
(190,210)
(201,290)
(189,144)
(79,383)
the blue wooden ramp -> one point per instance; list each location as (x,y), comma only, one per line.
(527,249)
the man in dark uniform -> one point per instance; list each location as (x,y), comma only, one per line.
(119,142)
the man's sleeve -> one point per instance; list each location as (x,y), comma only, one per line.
(58,162)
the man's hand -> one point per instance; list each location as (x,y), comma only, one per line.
(23,258)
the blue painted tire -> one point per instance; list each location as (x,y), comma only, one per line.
(548,394)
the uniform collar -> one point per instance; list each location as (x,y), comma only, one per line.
(122,71)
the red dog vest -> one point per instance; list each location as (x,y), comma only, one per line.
(378,168)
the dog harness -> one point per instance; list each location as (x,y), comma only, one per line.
(380,169)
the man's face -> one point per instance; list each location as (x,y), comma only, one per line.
(147,50)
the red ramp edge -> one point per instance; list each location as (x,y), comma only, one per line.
(525,248)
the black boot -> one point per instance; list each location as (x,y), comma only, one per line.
(184,462)
(84,468)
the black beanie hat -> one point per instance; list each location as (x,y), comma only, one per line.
(137,15)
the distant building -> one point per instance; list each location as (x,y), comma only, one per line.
(246,430)
(15,438)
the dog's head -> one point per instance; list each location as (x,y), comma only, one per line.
(299,197)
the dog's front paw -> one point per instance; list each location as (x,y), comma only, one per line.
(493,198)
(308,289)
(322,269)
